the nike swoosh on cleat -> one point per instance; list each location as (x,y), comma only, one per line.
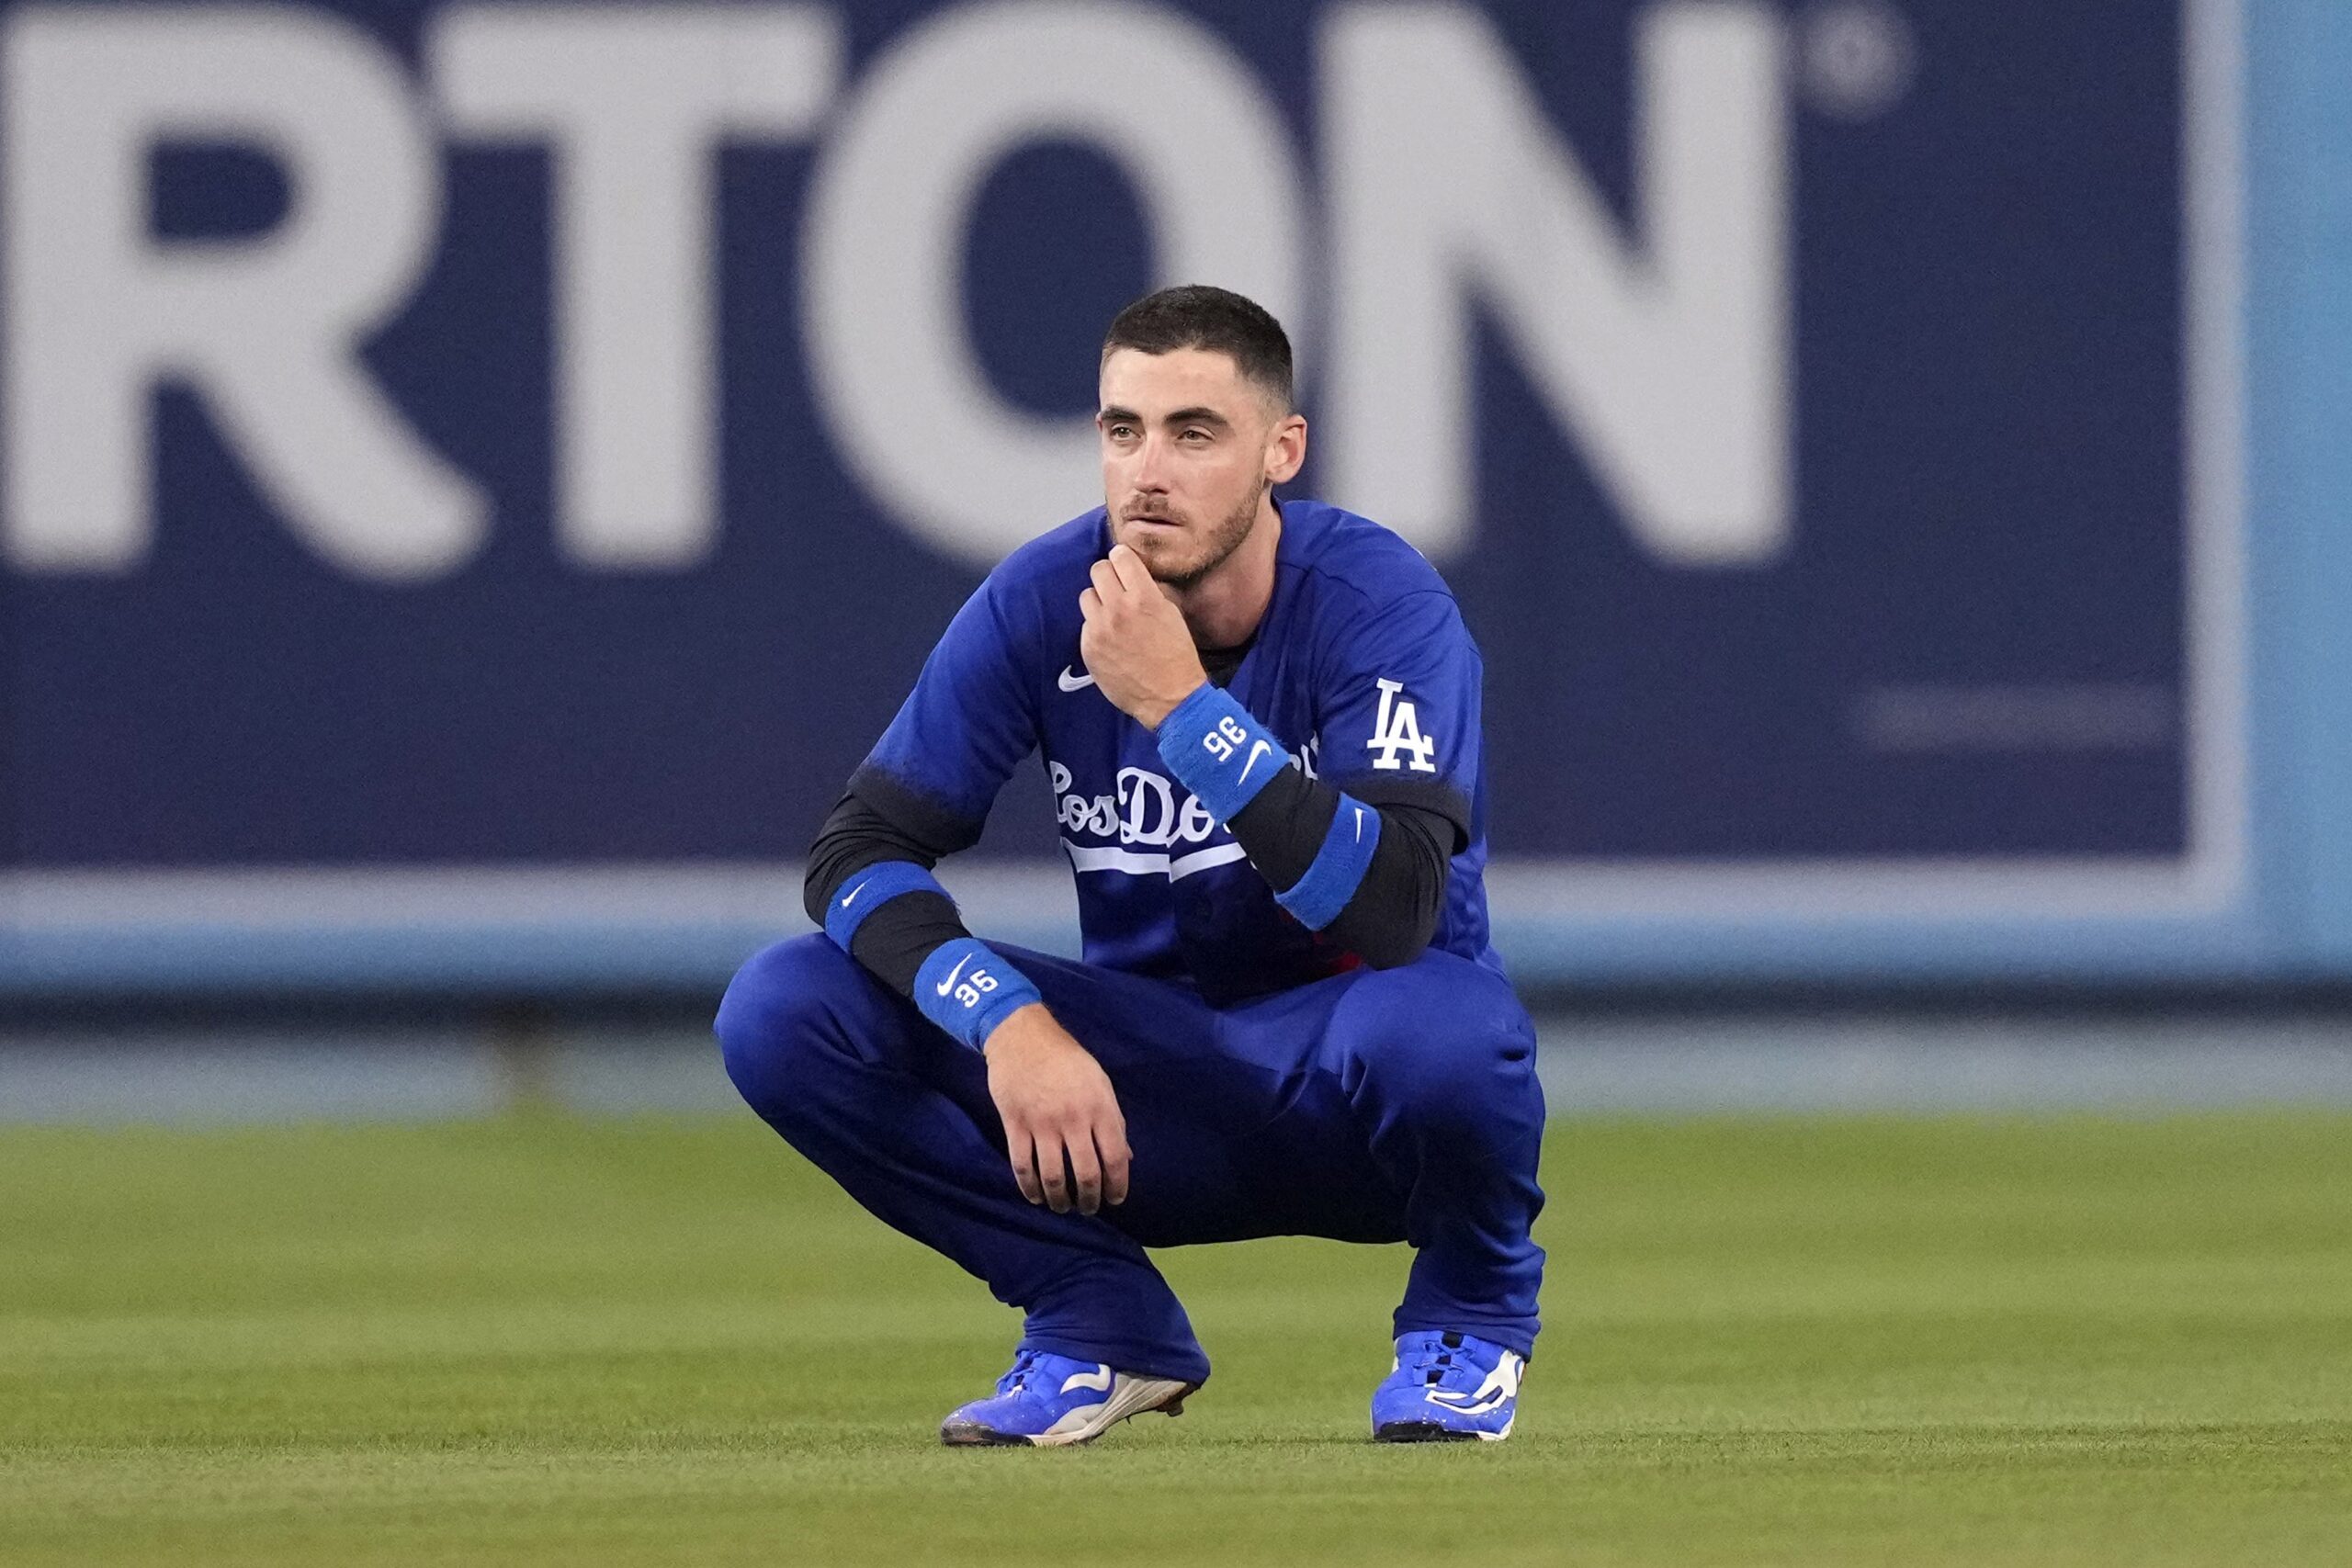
(1069,683)
(950,981)
(1260,750)
(1467,1404)
(1500,1386)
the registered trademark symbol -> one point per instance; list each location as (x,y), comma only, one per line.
(1855,59)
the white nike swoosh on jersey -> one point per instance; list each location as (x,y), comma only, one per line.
(1069,683)
(950,981)
(1261,749)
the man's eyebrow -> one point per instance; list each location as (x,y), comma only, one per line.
(1197,416)
(1201,414)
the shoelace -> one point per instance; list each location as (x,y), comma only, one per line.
(1023,1363)
(1441,1362)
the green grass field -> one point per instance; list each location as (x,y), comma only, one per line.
(1790,1341)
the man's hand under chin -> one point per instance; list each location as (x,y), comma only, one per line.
(1134,642)
(1062,1123)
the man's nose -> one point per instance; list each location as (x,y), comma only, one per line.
(1151,464)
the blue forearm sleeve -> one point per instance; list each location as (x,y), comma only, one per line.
(1337,871)
(1218,752)
(863,891)
(966,990)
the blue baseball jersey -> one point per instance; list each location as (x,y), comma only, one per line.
(1361,668)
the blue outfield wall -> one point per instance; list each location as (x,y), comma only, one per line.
(1895,456)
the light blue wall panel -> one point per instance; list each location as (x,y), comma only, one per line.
(2300,225)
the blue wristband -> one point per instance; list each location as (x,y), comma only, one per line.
(1218,752)
(864,890)
(1337,871)
(967,991)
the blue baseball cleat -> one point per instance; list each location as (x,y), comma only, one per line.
(1050,1401)
(1447,1388)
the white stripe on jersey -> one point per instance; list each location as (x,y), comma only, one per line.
(1139,862)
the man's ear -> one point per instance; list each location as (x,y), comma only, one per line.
(1286,453)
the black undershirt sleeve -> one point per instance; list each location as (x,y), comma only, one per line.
(1394,910)
(880,819)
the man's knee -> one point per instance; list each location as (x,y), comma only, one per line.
(1442,1043)
(779,1020)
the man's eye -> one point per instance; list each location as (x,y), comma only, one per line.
(1195,435)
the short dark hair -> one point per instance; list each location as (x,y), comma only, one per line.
(1200,315)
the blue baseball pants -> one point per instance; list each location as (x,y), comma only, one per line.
(1376,1106)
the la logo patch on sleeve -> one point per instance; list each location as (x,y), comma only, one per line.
(1398,729)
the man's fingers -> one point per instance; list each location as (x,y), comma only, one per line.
(1024,1165)
(1090,604)
(1106,579)
(1132,573)
(1086,1174)
(1053,1172)
(1116,1159)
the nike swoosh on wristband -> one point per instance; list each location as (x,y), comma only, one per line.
(854,892)
(944,984)
(1069,683)
(1261,749)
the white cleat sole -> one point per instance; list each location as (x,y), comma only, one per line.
(1130,1397)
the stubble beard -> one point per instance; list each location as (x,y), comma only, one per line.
(1223,540)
